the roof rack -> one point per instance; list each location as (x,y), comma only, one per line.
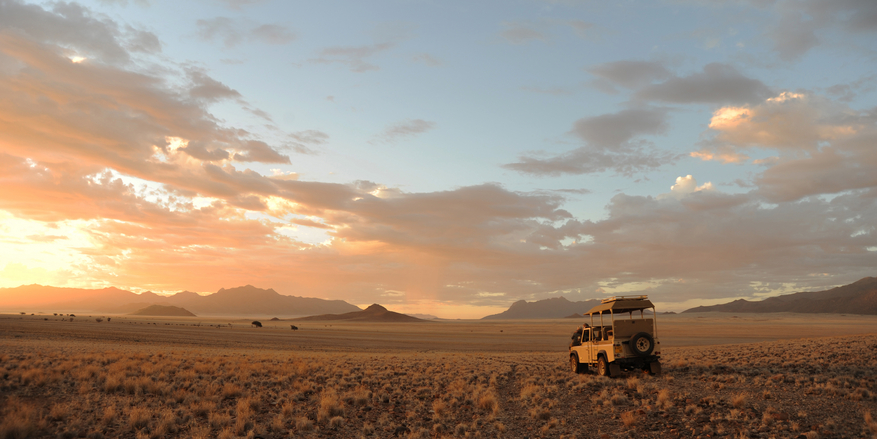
(618,298)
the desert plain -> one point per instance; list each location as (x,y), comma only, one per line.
(743,375)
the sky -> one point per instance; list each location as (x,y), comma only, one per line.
(440,157)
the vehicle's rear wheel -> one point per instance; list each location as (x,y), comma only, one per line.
(602,367)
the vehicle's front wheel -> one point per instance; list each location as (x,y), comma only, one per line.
(602,367)
(575,366)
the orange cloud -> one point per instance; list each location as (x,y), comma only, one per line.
(786,121)
(724,157)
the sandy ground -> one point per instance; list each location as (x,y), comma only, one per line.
(742,375)
(677,330)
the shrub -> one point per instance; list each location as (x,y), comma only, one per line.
(330,405)
(629,418)
(304,424)
(109,414)
(529,391)
(112,383)
(278,423)
(540,413)
(167,424)
(487,402)
(219,420)
(58,412)
(870,423)
(21,421)
(231,390)
(336,422)
(664,399)
(138,417)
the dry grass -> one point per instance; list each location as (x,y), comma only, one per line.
(739,400)
(147,390)
(629,418)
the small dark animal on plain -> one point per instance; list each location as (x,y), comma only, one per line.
(257,324)
(293,327)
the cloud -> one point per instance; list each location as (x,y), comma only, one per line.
(238,4)
(610,145)
(801,23)
(405,130)
(630,74)
(354,57)
(76,31)
(587,160)
(727,241)
(427,59)
(233,32)
(302,141)
(142,3)
(521,33)
(258,151)
(616,129)
(794,35)
(574,191)
(790,121)
(688,185)
(582,28)
(822,144)
(717,84)
(722,154)
(832,170)
(125,116)
(208,89)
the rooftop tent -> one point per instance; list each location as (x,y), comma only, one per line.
(622,304)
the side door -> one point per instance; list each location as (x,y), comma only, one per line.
(588,346)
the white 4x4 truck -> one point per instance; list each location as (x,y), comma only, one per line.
(617,335)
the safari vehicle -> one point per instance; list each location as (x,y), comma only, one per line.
(618,335)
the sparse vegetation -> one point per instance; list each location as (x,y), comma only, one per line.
(79,389)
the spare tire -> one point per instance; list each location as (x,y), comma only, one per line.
(642,344)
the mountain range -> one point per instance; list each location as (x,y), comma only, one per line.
(245,300)
(554,308)
(856,298)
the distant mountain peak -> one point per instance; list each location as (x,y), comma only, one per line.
(859,297)
(553,308)
(374,313)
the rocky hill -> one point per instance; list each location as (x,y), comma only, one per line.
(162,311)
(247,300)
(374,313)
(856,298)
(554,308)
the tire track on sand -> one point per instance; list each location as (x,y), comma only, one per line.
(511,413)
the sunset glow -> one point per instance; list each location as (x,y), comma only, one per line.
(385,157)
